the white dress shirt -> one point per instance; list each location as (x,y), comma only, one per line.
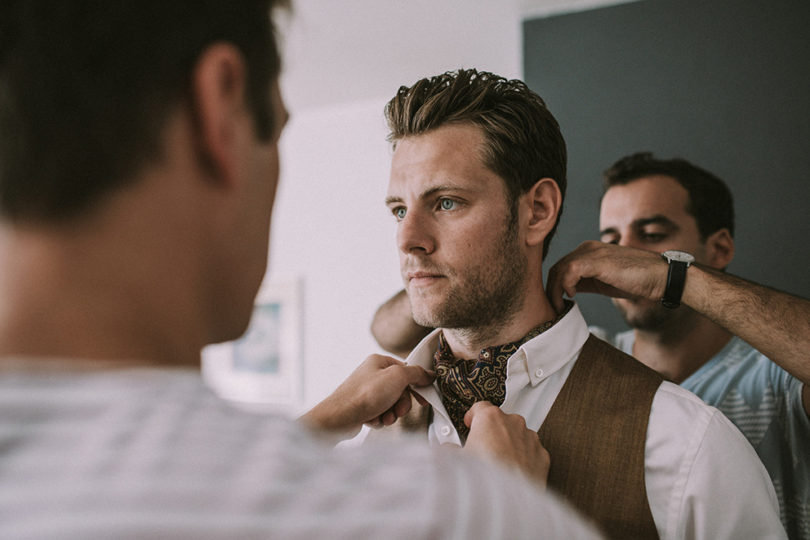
(703,479)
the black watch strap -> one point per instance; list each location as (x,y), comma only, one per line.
(676,277)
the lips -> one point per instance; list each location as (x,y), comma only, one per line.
(422,275)
(418,278)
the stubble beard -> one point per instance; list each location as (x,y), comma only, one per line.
(650,318)
(490,294)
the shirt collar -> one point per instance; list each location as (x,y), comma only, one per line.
(422,355)
(551,350)
(540,356)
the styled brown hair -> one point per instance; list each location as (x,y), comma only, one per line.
(523,139)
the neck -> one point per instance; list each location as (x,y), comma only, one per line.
(100,289)
(679,349)
(534,311)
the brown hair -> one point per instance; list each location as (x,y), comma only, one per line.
(86,88)
(523,139)
(710,201)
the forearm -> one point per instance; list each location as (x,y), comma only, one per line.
(775,323)
(376,392)
(326,417)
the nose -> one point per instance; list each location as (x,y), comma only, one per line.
(414,234)
(628,239)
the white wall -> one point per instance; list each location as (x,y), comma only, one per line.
(351,50)
(532,9)
(331,228)
(344,60)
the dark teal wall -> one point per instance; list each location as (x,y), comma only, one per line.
(722,83)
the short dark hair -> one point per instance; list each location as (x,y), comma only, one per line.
(710,200)
(523,139)
(86,87)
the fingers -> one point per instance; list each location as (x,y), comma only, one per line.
(388,418)
(378,392)
(402,406)
(487,413)
(564,277)
(609,270)
(554,289)
(577,272)
(411,374)
(382,361)
(374,423)
(419,399)
(397,411)
(505,438)
(418,376)
(476,408)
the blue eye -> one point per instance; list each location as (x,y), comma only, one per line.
(399,213)
(447,204)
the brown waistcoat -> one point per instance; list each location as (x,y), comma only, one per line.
(596,433)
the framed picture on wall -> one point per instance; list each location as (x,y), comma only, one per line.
(264,367)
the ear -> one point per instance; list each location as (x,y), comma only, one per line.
(720,249)
(541,207)
(218,106)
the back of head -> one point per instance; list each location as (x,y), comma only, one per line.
(87,86)
(710,200)
(523,139)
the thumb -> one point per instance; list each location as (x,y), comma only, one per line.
(418,376)
(554,289)
(419,399)
(469,416)
(555,296)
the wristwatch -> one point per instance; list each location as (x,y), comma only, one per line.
(678,261)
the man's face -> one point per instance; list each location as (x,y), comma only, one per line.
(460,256)
(649,213)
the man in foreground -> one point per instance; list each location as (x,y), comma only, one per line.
(739,346)
(477,184)
(138,170)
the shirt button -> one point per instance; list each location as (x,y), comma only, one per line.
(538,372)
(445,430)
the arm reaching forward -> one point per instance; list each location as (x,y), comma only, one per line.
(506,439)
(375,393)
(775,323)
(394,328)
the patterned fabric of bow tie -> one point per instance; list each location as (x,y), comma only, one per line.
(462,382)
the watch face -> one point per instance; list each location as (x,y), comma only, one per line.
(680,256)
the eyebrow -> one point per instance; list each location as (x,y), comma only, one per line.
(658,219)
(427,193)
